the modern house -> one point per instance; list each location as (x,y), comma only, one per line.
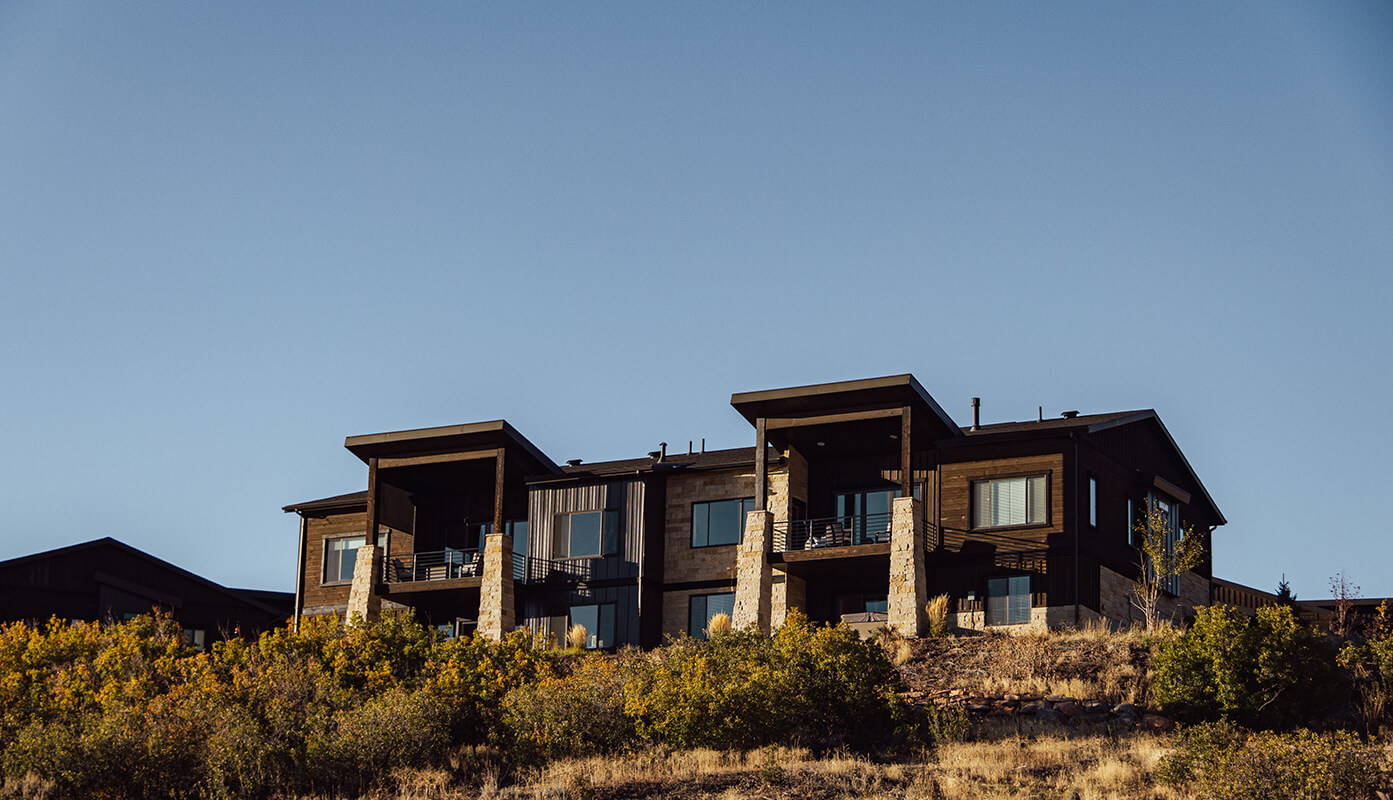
(858,501)
(104,580)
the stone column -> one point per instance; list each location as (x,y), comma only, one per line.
(754,579)
(908,587)
(364,603)
(496,615)
(789,593)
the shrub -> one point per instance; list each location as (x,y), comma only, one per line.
(580,714)
(1226,763)
(806,685)
(1264,672)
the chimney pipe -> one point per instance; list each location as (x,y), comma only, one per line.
(976,413)
(662,451)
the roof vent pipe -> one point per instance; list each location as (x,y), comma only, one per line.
(703,444)
(1069,414)
(574,462)
(662,451)
(1040,413)
(976,413)
(653,455)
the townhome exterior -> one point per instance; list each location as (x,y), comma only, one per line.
(856,502)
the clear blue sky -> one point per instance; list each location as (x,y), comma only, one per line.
(233,234)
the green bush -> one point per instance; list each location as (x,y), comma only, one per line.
(1226,763)
(806,685)
(580,714)
(1264,672)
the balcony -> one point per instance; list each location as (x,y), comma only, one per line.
(529,570)
(439,565)
(818,534)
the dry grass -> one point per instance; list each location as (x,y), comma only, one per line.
(1058,765)
(1091,663)
(576,637)
(937,611)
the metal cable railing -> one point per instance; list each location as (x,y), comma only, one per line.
(815,534)
(439,565)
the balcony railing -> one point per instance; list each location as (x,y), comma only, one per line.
(531,570)
(815,534)
(441,565)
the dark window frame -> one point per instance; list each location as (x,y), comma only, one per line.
(740,532)
(1016,612)
(1048,511)
(596,635)
(610,534)
(705,598)
(324,558)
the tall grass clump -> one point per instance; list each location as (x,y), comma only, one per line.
(937,611)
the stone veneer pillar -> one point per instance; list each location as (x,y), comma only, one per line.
(754,579)
(908,586)
(496,614)
(789,593)
(364,602)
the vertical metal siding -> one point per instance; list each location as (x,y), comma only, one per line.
(624,496)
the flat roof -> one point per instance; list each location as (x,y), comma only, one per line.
(473,437)
(868,393)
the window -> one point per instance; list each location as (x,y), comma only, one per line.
(598,621)
(339,557)
(1093,502)
(1171,513)
(719,521)
(588,534)
(866,514)
(703,607)
(195,638)
(1008,600)
(1009,501)
(1129,534)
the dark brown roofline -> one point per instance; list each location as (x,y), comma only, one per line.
(904,389)
(473,436)
(350,500)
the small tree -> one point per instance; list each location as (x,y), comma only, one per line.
(1285,596)
(1161,558)
(1345,592)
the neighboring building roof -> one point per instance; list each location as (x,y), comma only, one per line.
(276,604)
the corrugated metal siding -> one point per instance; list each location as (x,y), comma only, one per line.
(539,610)
(624,496)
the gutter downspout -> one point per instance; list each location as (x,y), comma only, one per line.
(300,578)
(1077,619)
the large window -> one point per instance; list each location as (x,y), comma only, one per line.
(705,606)
(1170,514)
(339,557)
(598,621)
(587,534)
(1010,501)
(719,521)
(1008,600)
